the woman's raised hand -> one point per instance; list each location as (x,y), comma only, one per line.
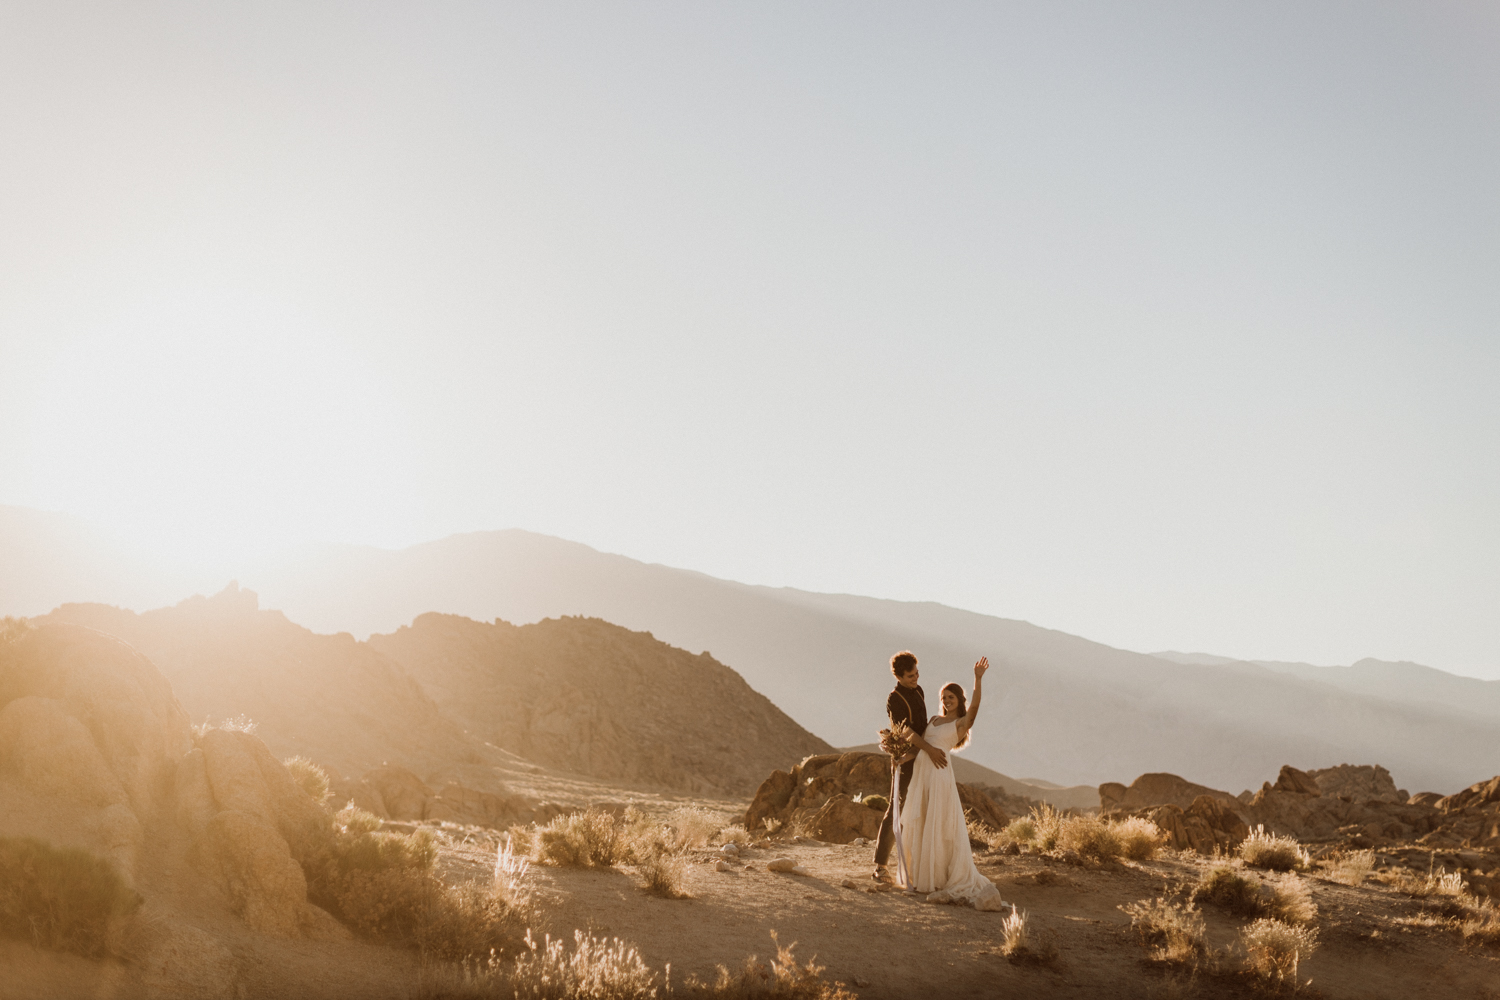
(981,666)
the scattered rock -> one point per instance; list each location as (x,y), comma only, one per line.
(849,883)
(723,866)
(788,866)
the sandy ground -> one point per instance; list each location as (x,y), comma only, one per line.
(880,944)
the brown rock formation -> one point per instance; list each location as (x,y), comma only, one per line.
(585,696)
(1299,782)
(1366,783)
(819,797)
(1155,790)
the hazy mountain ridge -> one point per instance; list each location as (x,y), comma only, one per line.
(1394,680)
(1075,711)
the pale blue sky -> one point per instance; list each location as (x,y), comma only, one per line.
(1171,325)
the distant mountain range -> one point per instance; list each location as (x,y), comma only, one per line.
(1057,705)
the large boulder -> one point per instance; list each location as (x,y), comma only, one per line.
(823,796)
(1297,782)
(253,866)
(1358,783)
(1480,793)
(1155,789)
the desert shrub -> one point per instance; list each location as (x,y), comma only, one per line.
(1140,838)
(1267,850)
(1021,945)
(782,978)
(1094,837)
(1352,868)
(583,839)
(1225,887)
(311,778)
(691,826)
(662,866)
(595,968)
(734,835)
(1290,901)
(879,803)
(520,839)
(1439,882)
(383,887)
(1046,825)
(61,898)
(1483,926)
(1274,950)
(1173,931)
(1020,831)
(772,824)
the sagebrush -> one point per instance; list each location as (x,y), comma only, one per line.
(60,898)
(1268,850)
(1274,950)
(1173,931)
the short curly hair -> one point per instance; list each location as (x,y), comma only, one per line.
(903,662)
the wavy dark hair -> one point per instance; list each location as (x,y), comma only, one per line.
(963,710)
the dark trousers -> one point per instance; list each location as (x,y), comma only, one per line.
(887,834)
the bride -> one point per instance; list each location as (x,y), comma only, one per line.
(932,837)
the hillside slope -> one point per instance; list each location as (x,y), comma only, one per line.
(1071,710)
(584,696)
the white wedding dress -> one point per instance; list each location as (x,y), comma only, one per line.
(932,837)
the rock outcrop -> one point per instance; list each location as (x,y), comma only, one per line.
(1155,790)
(587,697)
(1352,805)
(824,797)
(96,753)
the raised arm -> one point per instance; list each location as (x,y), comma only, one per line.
(967,722)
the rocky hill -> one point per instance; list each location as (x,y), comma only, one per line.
(591,698)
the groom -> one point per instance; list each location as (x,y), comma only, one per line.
(905,704)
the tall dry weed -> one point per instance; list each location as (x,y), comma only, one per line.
(781,978)
(1268,850)
(1275,950)
(1352,868)
(309,777)
(1173,932)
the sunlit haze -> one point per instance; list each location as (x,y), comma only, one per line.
(1173,326)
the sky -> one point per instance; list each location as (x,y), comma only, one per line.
(1169,325)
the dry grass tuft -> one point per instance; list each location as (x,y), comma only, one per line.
(61,898)
(309,777)
(1019,831)
(1140,838)
(1105,840)
(606,969)
(1021,945)
(692,826)
(1173,931)
(1274,950)
(511,867)
(382,885)
(1483,926)
(1352,868)
(880,803)
(1267,850)
(662,866)
(1223,886)
(735,835)
(779,979)
(1290,901)
(590,839)
(1437,882)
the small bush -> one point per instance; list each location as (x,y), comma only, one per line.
(737,835)
(1483,926)
(1352,868)
(1140,838)
(1267,850)
(382,885)
(1274,950)
(1173,931)
(584,839)
(1046,825)
(61,898)
(1440,882)
(782,978)
(879,803)
(1020,831)
(311,778)
(691,826)
(1225,887)
(662,867)
(597,969)
(1291,902)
